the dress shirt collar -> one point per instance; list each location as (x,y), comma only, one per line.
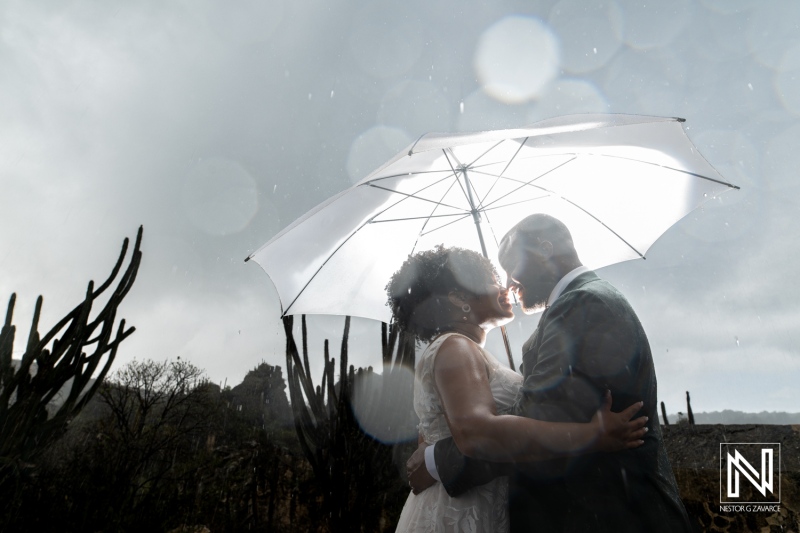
(563,282)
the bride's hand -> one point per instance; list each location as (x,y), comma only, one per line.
(616,431)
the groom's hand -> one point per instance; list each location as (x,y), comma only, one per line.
(419,478)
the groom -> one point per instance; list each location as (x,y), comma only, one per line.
(588,340)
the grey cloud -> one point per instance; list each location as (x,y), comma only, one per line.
(112,111)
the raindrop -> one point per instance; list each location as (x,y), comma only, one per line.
(461,107)
(331,94)
(274,188)
(594,50)
(309,96)
(737,341)
(750,86)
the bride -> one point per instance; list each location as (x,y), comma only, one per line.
(450,297)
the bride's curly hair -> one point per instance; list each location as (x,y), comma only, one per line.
(418,291)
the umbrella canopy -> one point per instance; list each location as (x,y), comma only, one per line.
(617,181)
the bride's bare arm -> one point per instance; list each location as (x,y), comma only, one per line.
(479,432)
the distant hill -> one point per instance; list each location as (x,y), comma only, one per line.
(739,417)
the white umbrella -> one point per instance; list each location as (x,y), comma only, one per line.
(617,181)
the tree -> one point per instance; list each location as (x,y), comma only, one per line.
(159,413)
(261,397)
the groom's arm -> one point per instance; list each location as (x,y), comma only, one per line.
(459,473)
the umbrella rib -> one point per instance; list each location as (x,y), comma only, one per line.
(455,173)
(486,152)
(371,220)
(519,202)
(314,275)
(525,184)
(415,197)
(605,226)
(422,229)
(670,168)
(404,174)
(428,217)
(311,278)
(475,168)
(440,227)
(515,180)
(503,171)
(436,206)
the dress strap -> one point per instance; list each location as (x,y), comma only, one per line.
(433,348)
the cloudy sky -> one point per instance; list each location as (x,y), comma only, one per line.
(216,124)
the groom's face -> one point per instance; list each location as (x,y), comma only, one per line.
(530,274)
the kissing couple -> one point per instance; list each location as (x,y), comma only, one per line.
(571,445)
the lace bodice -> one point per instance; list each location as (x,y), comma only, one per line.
(504,383)
(482,509)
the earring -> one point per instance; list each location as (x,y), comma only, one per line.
(466,308)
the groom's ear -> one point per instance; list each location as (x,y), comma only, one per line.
(545,249)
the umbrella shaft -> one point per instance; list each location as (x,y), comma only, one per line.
(507,345)
(477,218)
(476,215)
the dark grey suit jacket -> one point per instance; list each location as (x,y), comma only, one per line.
(588,341)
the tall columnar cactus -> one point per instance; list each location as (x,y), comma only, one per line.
(405,354)
(78,348)
(354,473)
(664,414)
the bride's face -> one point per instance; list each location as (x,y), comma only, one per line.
(493,307)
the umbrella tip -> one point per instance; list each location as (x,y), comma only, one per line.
(679,119)
(411,150)
(246,259)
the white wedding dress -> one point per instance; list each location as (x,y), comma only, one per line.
(482,509)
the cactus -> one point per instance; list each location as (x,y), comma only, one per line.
(78,346)
(689,412)
(350,467)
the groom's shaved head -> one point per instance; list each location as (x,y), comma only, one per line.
(535,254)
(532,230)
